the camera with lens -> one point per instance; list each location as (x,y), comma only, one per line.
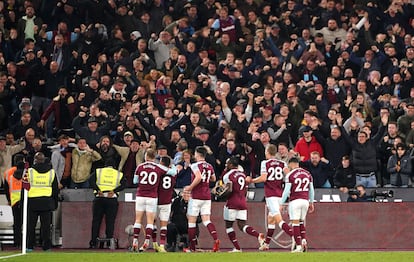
(382,194)
(354,192)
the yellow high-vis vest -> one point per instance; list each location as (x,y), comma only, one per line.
(40,183)
(107,179)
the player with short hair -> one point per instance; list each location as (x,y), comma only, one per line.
(148,177)
(236,205)
(165,194)
(272,174)
(200,201)
(299,189)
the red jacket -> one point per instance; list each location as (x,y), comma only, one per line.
(55,108)
(304,148)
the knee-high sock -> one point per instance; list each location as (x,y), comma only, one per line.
(232,236)
(302,230)
(250,231)
(270,232)
(163,235)
(148,231)
(211,228)
(285,227)
(296,234)
(137,230)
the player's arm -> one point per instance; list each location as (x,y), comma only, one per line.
(172,171)
(286,193)
(262,177)
(259,179)
(196,181)
(228,183)
(136,177)
(213,177)
(311,198)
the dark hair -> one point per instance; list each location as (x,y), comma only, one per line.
(233,161)
(80,138)
(18,158)
(201,150)
(165,161)
(400,145)
(294,160)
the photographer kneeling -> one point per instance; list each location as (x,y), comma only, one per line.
(358,194)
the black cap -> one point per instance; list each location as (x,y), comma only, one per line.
(2,138)
(92,119)
(306,129)
(232,69)
(161,147)
(298,7)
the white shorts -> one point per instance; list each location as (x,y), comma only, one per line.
(198,207)
(147,204)
(273,205)
(298,209)
(233,214)
(164,212)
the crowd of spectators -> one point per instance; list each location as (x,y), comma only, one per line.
(329,82)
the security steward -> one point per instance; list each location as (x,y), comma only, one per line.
(107,182)
(42,200)
(13,189)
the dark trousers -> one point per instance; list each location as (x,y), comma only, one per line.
(17,224)
(45,224)
(173,231)
(178,232)
(107,207)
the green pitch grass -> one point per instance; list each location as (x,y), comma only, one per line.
(206,257)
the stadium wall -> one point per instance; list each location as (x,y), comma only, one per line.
(332,226)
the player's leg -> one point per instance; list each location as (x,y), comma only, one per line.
(294,214)
(241,217)
(302,227)
(139,213)
(155,245)
(274,218)
(192,214)
(164,214)
(229,218)
(283,225)
(154,231)
(150,212)
(205,211)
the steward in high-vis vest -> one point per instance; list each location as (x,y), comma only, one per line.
(107,182)
(43,196)
(13,189)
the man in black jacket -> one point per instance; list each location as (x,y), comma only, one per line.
(178,225)
(364,156)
